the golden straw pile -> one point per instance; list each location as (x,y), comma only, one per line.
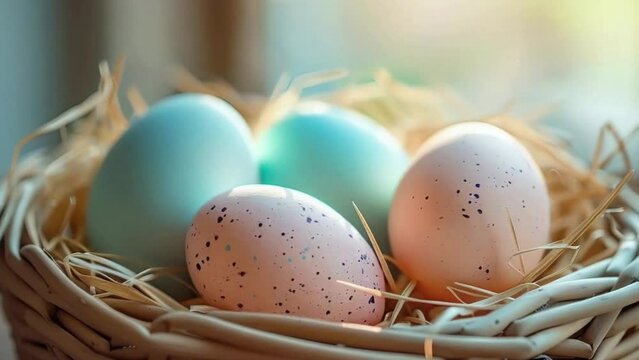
(580,198)
(585,199)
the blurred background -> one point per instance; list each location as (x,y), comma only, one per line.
(580,57)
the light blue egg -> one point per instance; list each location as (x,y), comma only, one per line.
(337,156)
(185,150)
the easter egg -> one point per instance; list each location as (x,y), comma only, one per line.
(271,249)
(338,156)
(180,153)
(450,220)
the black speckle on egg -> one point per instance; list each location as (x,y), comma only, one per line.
(242,273)
(208,244)
(477,185)
(479,211)
(240,305)
(371,300)
(466,216)
(219,219)
(309,220)
(198,266)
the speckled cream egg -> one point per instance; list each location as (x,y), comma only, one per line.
(449,220)
(271,249)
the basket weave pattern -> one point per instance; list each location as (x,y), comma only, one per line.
(592,312)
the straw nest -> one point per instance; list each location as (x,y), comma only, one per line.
(63,300)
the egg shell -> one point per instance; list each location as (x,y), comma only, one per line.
(180,153)
(338,156)
(270,249)
(449,221)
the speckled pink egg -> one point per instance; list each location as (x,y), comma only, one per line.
(449,220)
(271,249)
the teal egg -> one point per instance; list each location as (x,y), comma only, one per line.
(182,152)
(338,156)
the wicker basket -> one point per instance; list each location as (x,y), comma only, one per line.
(582,306)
